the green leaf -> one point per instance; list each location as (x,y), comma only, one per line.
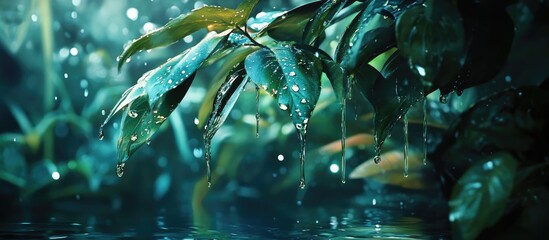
(225,99)
(479,198)
(321,20)
(370,34)
(244,9)
(291,75)
(392,94)
(212,17)
(178,69)
(431,36)
(489,36)
(237,54)
(290,25)
(141,121)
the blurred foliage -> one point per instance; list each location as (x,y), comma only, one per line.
(369,64)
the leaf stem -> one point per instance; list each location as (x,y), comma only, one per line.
(247,35)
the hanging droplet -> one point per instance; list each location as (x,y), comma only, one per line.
(133,113)
(301,133)
(424,131)
(120,169)
(443,98)
(207,148)
(101,134)
(377,158)
(405,119)
(257,116)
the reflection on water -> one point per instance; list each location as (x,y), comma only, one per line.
(396,219)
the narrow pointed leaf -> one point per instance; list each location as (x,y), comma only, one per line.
(480,196)
(141,121)
(321,20)
(290,25)
(180,68)
(225,99)
(291,75)
(211,17)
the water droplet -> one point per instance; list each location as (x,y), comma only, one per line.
(280,157)
(334,168)
(283,107)
(55,175)
(134,137)
(377,159)
(443,98)
(292,73)
(101,134)
(120,169)
(133,113)
(420,70)
(303,100)
(405,145)
(103,112)
(295,88)
(196,121)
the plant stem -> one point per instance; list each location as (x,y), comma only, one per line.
(250,37)
(49,74)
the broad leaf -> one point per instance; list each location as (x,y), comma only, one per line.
(392,95)
(225,99)
(480,196)
(178,69)
(489,36)
(290,25)
(141,121)
(370,34)
(431,36)
(212,17)
(291,75)
(244,9)
(321,20)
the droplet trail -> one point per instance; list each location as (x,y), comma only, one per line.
(405,119)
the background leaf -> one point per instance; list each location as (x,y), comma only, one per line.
(479,198)
(431,36)
(321,20)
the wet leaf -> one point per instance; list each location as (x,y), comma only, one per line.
(140,120)
(290,25)
(370,33)
(321,20)
(431,36)
(489,35)
(225,99)
(291,75)
(391,93)
(178,69)
(212,17)
(236,55)
(479,198)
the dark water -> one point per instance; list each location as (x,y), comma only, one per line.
(395,216)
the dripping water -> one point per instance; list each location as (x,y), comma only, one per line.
(302,143)
(257,111)
(101,134)
(207,157)
(405,119)
(377,157)
(120,169)
(346,91)
(424,131)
